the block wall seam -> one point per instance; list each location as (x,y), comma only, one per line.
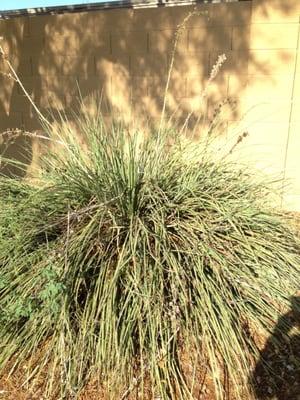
(148,43)
(110,43)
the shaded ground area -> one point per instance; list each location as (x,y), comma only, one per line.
(277,374)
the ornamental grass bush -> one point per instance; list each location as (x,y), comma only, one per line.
(126,257)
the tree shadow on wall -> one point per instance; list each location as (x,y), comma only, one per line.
(125,55)
(15,108)
(277,373)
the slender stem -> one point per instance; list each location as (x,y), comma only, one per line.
(178,31)
(18,132)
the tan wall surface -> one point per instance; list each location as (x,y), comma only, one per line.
(125,54)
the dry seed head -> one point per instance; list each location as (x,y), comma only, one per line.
(239,140)
(216,67)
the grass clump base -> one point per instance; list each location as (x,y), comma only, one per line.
(125,257)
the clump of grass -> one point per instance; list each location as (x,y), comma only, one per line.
(126,254)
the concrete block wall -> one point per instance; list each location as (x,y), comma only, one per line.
(124,54)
